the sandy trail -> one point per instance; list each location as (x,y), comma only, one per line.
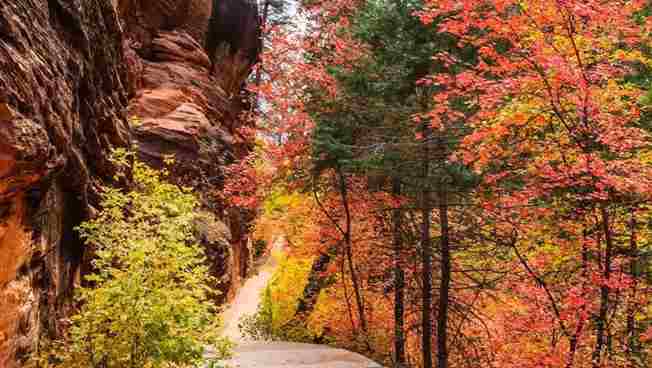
(251,354)
(248,297)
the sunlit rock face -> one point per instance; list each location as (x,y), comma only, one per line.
(187,63)
(72,74)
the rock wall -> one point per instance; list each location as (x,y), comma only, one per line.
(79,77)
(186,73)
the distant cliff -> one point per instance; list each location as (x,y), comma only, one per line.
(79,77)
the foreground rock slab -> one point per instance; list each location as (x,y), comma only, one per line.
(295,355)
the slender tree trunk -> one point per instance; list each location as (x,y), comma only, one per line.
(444,286)
(604,292)
(316,282)
(349,254)
(426,260)
(399,281)
(632,335)
(356,289)
(574,340)
(347,298)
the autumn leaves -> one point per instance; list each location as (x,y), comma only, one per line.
(503,146)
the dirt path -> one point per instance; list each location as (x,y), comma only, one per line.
(248,297)
(250,354)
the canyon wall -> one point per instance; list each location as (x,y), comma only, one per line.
(80,77)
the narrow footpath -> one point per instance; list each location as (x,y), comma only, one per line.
(261,354)
(248,297)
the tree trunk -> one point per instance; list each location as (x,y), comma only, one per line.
(349,254)
(444,286)
(426,260)
(632,334)
(315,284)
(399,282)
(604,292)
(574,339)
(347,299)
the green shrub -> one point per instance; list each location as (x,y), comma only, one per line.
(147,304)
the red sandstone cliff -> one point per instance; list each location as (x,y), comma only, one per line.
(79,77)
